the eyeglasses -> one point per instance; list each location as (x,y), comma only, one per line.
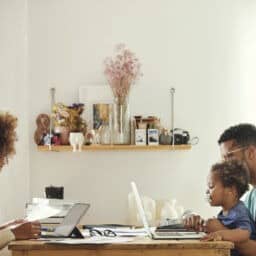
(230,154)
(105,232)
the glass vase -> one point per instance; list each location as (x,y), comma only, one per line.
(105,134)
(121,130)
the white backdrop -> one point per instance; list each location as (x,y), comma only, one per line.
(203,48)
(14,178)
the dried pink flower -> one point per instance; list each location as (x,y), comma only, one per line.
(121,71)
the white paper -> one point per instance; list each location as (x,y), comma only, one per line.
(42,211)
(92,240)
(120,231)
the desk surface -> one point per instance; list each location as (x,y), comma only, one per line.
(140,246)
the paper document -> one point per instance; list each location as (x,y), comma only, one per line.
(42,211)
(92,240)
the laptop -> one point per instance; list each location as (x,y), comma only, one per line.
(67,228)
(165,234)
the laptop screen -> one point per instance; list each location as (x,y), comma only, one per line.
(140,208)
(71,219)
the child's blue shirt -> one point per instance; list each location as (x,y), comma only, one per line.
(238,217)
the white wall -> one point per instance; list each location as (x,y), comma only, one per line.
(14,178)
(200,47)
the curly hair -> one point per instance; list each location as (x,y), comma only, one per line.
(8,124)
(243,134)
(233,173)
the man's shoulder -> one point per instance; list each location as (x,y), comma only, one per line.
(250,196)
(250,202)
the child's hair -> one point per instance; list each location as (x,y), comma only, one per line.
(233,173)
(8,124)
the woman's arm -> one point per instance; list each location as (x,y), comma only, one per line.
(6,236)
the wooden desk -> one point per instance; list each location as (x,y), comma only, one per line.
(138,247)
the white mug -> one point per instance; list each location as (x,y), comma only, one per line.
(76,139)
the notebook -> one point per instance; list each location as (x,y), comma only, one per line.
(161,235)
(67,228)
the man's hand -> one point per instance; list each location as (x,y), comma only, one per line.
(27,230)
(194,222)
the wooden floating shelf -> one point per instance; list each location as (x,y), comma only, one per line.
(116,147)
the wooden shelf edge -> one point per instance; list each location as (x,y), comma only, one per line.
(67,148)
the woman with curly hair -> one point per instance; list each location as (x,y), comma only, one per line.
(17,229)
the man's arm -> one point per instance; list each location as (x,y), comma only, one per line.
(247,248)
(232,235)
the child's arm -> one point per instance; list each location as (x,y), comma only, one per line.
(213,225)
(232,235)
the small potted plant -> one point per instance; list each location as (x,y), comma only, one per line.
(68,119)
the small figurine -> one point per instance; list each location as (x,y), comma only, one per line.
(165,138)
(76,140)
(56,139)
(47,139)
(43,128)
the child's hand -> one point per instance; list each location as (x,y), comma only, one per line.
(194,222)
(213,225)
(215,236)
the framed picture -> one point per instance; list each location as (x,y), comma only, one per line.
(153,137)
(140,137)
(97,100)
(101,114)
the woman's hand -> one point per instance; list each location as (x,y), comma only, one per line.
(27,230)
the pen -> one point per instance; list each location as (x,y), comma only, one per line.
(47,229)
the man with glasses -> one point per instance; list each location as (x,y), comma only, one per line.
(239,143)
(236,143)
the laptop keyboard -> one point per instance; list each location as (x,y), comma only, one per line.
(164,234)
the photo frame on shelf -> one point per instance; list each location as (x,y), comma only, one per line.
(101,114)
(140,137)
(97,100)
(153,137)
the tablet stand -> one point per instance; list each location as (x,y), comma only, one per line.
(76,233)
